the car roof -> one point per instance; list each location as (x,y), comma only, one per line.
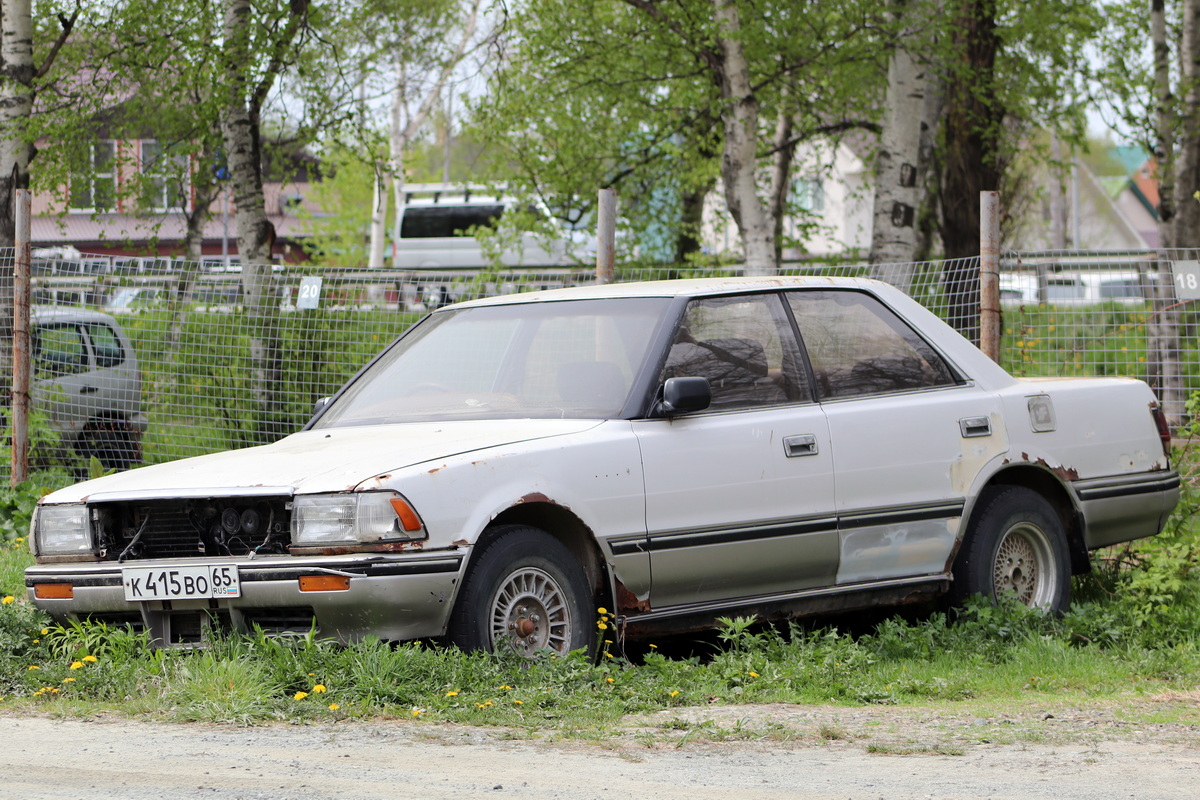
(691,287)
(62,314)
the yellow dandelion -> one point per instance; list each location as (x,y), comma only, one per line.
(518,702)
(610,655)
(334,706)
(35,641)
(609,680)
(674,693)
(34,666)
(76,665)
(319,688)
(45,631)
(68,680)
(505,688)
(753,674)
(20,540)
(451,694)
(91,659)
(300,695)
(416,712)
(8,598)
(602,610)
(653,647)
(602,626)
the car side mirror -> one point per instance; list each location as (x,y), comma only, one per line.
(320,405)
(684,395)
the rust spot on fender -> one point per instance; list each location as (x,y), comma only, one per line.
(436,470)
(460,543)
(535,497)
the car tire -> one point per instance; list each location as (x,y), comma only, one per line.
(113,444)
(1016,547)
(525,592)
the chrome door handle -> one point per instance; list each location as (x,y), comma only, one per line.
(971,427)
(805,445)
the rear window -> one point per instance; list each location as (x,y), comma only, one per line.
(434,222)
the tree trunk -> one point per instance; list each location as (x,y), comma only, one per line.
(16,104)
(1164,151)
(401,133)
(739,159)
(379,212)
(781,176)
(904,154)
(240,127)
(1187,127)
(972,157)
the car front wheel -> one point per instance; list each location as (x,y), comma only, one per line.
(525,593)
(1016,548)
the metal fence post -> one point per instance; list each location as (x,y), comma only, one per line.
(989,274)
(606,235)
(20,384)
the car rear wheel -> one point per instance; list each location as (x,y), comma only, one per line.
(525,592)
(1016,548)
(113,442)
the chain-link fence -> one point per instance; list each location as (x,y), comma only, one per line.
(183,365)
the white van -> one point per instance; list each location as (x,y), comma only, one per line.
(435,221)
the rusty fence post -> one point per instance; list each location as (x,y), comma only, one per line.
(21,344)
(606,236)
(989,274)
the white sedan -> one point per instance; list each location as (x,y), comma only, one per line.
(671,452)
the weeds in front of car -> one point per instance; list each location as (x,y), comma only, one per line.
(989,655)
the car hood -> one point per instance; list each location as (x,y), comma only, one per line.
(326,460)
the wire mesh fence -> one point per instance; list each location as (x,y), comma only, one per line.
(148,360)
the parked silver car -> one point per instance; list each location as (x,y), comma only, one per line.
(86,378)
(671,452)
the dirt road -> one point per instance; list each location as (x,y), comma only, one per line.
(697,754)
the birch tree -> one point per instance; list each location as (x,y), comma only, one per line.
(906,142)
(252,66)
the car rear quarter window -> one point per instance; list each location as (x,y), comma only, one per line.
(858,346)
(744,346)
(105,345)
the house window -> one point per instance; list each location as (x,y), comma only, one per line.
(94,188)
(163,174)
(808,194)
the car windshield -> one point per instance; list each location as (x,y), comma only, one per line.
(572,359)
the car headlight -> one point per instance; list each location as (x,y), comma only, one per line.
(353,518)
(61,530)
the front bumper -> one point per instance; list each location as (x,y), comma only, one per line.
(391,596)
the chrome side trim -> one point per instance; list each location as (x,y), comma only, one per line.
(724,606)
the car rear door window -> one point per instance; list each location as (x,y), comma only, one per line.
(858,346)
(105,345)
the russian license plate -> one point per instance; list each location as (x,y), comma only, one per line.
(180,583)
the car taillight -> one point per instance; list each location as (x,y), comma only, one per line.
(1164,430)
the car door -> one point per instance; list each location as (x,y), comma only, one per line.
(739,497)
(909,434)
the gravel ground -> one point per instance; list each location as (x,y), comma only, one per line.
(720,752)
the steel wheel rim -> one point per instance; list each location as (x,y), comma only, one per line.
(530,613)
(1024,566)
